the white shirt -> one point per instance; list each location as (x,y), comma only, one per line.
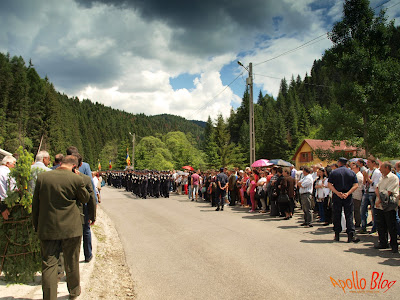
(4,181)
(37,168)
(40,165)
(262,180)
(324,191)
(389,183)
(299,175)
(307,184)
(95,182)
(314,176)
(357,194)
(376,175)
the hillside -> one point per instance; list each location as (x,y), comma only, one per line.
(31,111)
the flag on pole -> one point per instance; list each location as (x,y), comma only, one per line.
(110,165)
(99,165)
(128,160)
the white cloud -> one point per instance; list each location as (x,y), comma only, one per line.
(204,100)
(125,59)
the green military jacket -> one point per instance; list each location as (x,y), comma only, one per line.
(55,212)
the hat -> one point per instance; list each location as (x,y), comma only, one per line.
(221,169)
(241,171)
(343,160)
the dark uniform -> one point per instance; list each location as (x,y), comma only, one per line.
(343,180)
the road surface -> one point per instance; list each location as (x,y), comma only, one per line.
(178,249)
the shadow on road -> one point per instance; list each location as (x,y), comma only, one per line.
(317,241)
(393,259)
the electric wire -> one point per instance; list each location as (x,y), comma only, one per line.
(319,85)
(304,45)
(393,5)
(213,98)
(315,40)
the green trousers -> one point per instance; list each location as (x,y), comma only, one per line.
(50,255)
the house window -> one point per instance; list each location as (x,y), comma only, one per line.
(306,157)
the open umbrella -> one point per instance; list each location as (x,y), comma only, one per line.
(355,159)
(280,162)
(188,168)
(261,163)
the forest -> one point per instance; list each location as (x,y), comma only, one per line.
(33,114)
(352,93)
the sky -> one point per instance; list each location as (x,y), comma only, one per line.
(176,57)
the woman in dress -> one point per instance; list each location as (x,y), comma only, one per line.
(252,193)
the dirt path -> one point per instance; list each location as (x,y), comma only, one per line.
(110,278)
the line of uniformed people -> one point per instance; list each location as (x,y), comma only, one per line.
(142,183)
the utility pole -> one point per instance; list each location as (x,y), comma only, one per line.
(133,149)
(249,82)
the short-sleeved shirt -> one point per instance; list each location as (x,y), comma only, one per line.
(196,179)
(222,178)
(342,179)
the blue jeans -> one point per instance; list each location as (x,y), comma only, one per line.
(372,199)
(190,191)
(364,209)
(87,235)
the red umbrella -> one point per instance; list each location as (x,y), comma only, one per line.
(188,168)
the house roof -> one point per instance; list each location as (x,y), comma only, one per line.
(325,145)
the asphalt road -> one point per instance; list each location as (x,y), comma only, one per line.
(178,249)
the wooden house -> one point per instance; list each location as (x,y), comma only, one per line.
(306,153)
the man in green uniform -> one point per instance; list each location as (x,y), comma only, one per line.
(57,220)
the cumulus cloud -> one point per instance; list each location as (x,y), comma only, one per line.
(123,53)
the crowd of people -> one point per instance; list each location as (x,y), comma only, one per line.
(339,194)
(64,204)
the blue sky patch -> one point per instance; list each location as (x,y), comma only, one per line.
(183,81)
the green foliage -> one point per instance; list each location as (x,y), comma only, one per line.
(183,151)
(31,110)
(22,195)
(120,161)
(109,152)
(351,94)
(366,79)
(19,245)
(152,153)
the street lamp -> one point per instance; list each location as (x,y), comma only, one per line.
(249,82)
(133,150)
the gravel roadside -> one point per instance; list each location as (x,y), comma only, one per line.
(107,276)
(111,278)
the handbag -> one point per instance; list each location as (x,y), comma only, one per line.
(283,198)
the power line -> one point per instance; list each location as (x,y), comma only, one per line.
(381,4)
(212,99)
(319,85)
(267,76)
(315,40)
(393,5)
(306,44)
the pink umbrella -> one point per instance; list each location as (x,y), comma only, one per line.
(261,163)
